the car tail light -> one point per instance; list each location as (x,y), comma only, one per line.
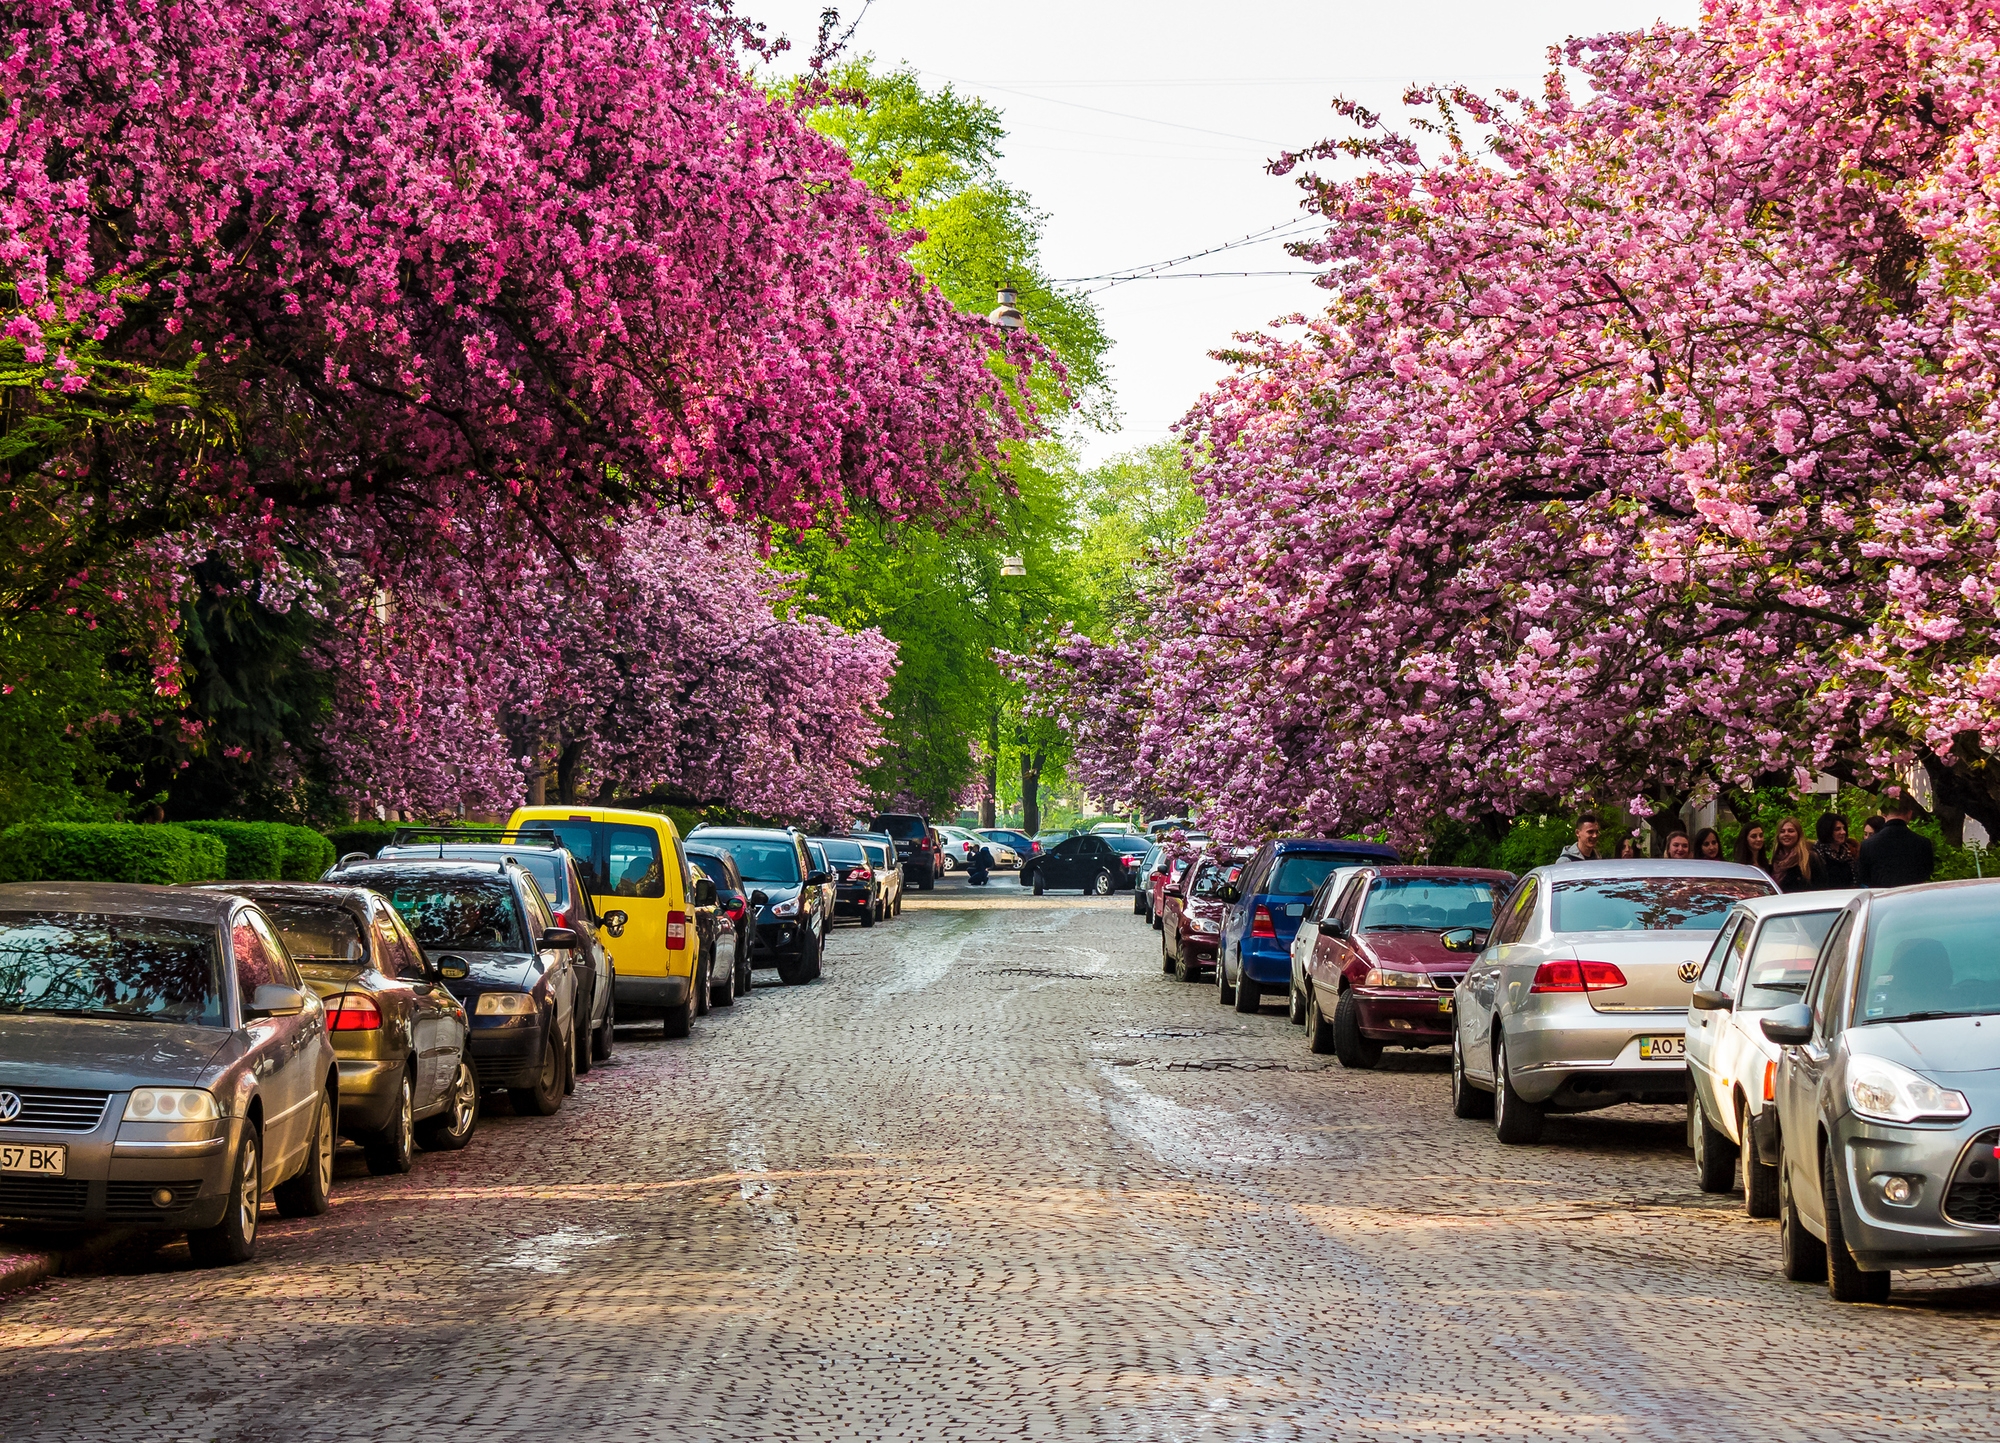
(1771,1087)
(677,931)
(858,874)
(353,1012)
(1261,924)
(1569,975)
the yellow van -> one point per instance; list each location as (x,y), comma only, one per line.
(633,863)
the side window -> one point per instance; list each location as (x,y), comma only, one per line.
(581,840)
(1316,909)
(281,956)
(1069,847)
(633,863)
(1520,907)
(1711,967)
(583,892)
(1739,953)
(1349,906)
(1824,991)
(539,916)
(401,957)
(1255,875)
(256,962)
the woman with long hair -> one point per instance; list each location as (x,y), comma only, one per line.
(1708,845)
(1832,863)
(1792,860)
(1750,848)
(1628,850)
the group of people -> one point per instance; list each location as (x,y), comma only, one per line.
(1889,853)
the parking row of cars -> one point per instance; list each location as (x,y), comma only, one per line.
(1830,1047)
(171,1055)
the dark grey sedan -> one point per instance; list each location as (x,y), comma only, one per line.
(1888,1092)
(161,1064)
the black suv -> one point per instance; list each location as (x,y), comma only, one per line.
(792,923)
(916,845)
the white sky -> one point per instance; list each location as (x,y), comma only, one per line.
(1203,95)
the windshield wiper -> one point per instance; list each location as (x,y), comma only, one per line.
(110,1012)
(1401,927)
(1918,1016)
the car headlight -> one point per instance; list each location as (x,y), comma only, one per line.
(1389,977)
(1879,1088)
(504,1004)
(170,1104)
(787,908)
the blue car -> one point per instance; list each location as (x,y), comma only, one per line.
(1262,909)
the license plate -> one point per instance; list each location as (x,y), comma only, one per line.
(48,1161)
(1444,1003)
(1660,1049)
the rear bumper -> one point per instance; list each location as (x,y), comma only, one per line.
(1406,1014)
(1268,963)
(1572,1057)
(642,994)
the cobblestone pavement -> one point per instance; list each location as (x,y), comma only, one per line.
(995,1176)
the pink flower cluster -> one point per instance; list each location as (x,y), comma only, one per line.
(1648,443)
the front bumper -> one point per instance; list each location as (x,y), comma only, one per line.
(506,1053)
(113,1172)
(1569,1057)
(1932,1230)
(1198,948)
(1408,1015)
(775,941)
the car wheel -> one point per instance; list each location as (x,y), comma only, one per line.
(394,1148)
(1295,1009)
(452,1129)
(1249,994)
(234,1239)
(1349,1045)
(1225,995)
(1166,957)
(1760,1179)
(744,981)
(1039,889)
(1801,1256)
(1186,968)
(1846,1280)
(1319,1031)
(868,915)
(947,863)
(1466,1099)
(723,993)
(1714,1153)
(546,1095)
(602,1038)
(1138,902)
(700,983)
(899,904)
(1515,1119)
(1100,885)
(569,1062)
(309,1193)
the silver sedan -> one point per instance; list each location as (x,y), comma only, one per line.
(1578,999)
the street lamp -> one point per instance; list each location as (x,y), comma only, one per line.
(1013,566)
(1007,315)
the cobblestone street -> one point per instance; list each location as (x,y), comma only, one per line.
(996,1176)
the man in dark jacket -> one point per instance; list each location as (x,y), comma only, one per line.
(1896,856)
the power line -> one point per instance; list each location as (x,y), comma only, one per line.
(1269,233)
(1194,276)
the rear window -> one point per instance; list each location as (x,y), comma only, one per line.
(1132,846)
(549,873)
(89,965)
(844,851)
(903,828)
(878,855)
(1300,873)
(1427,904)
(318,934)
(632,862)
(1648,904)
(1782,963)
(760,859)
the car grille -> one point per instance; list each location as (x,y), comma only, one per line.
(135,1199)
(50,1110)
(43,1197)
(1445,983)
(1973,1199)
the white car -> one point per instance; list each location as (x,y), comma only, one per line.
(1325,902)
(1761,960)
(958,847)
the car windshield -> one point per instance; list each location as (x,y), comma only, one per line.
(1300,873)
(760,859)
(1648,904)
(1208,881)
(878,855)
(905,829)
(1936,954)
(318,934)
(1427,904)
(1130,845)
(1782,963)
(838,851)
(457,914)
(88,965)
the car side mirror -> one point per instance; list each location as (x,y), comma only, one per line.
(560,939)
(1172,892)
(1227,893)
(1463,939)
(1711,999)
(614,922)
(274,999)
(817,879)
(1336,928)
(760,899)
(1790,1025)
(453,969)
(704,892)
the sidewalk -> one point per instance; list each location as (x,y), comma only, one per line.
(28,1258)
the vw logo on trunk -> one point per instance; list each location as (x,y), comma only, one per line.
(10,1106)
(1689,971)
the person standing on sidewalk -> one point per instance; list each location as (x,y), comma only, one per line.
(1584,848)
(1750,848)
(1896,856)
(1792,860)
(1832,863)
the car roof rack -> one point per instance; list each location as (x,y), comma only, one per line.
(532,835)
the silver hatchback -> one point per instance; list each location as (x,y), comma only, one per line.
(1578,998)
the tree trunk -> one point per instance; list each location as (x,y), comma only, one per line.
(538,788)
(987,807)
(1961,789)
(1031,781)
(568,763)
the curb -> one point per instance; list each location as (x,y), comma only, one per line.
(27,1269)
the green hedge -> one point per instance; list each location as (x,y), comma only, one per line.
(307,853)
(109,852)
(369,837)
(269,851)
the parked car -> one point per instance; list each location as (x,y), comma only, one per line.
(1760,961)
(1162,827)
(856,890)
(1578,997)
(916,846)
(1048,841)
(791,923)
(163,1065)
(1142,887)
(633,864)
(955,847)
(1325,902)
(1380,973)
(1113,829)
(402,1039)
(1191,917)
(1020,844)
(735,903)
(705,919)
(881,850)
(1888,1101)
(1262,907)
(488,931)
(1160,872)
(1086,862)
(1132,850)
(563,884)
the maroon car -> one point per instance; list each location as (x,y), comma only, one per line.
(1379,975)
(1191,915)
